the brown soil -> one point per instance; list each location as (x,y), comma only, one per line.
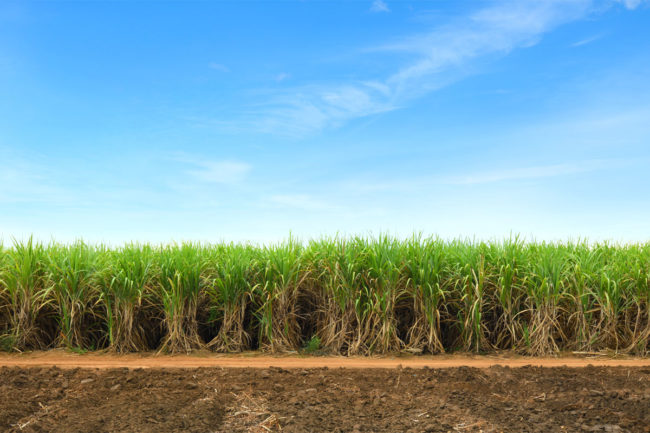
(463,399)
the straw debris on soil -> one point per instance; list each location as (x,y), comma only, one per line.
(497,399)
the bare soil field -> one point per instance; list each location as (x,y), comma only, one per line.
(301,395)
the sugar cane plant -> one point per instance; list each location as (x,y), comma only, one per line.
(126,291)
(70,276)
(340,280)
(25,286)
(180,294)
(425,262)
(282,274)
(352,295)
(230,287)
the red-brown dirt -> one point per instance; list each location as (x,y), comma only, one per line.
(298,399)
(65,359)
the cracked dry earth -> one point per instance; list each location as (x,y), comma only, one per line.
(205,400)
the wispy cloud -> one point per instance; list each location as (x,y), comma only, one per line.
(282,76)
(586,41)
(224,172)
(423,184)
(524,173)
(379,6)
(24,181)
(303,110)
(497,29)
(440,58)
(300,201)
(631,4)
(218,67)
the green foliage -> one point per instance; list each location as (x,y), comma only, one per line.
(6,342)
(180,290)
(70,277)
(345,295)
(127,279)
(283,272)
(312,346)
(230,286)
(25,286)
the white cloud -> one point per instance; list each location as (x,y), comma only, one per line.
(586,41)
(380,6)
(440,58)
(494,30)
(282,76)
(28,181)
(424,184)
(300,111)
(523,173)
(630,4)
(225,172)
(300,201)
(218,67)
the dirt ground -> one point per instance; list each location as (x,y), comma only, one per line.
(217,399)
(66,359)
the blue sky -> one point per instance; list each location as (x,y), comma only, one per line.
(251,120)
